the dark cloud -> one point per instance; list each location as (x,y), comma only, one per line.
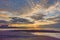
(3,21)
(38,16)
(20,20)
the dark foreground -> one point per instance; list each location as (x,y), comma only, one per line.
(22,35)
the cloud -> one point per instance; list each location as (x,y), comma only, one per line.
(38,16)
(42,6)
(52,11)
(5,15)
(20,20)
(46,7)
(33,7)
(30,6)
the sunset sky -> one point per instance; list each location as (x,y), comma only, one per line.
(27,8)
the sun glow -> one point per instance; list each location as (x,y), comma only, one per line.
(35,25)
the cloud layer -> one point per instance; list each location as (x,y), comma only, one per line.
(28,8)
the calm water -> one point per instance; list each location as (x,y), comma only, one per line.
(25,35)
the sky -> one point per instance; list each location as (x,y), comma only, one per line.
(41,14)
(27,8)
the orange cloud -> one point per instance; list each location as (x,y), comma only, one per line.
(4,15)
